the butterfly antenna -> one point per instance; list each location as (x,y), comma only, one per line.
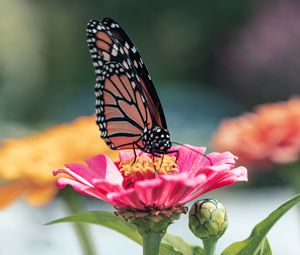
(194,151)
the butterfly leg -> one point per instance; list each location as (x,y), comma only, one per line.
(162,160)
(153,156)
(174,151)
(135,156)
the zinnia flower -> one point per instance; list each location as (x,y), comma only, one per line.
(145,183)
(27,163)
(269,135)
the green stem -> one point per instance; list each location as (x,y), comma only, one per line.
(151,243)
(209,246)
(74,205)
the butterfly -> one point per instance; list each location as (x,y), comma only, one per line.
(128,110)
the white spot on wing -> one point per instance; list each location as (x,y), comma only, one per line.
(114,52)
(115,47)
(106,56)
(125,65)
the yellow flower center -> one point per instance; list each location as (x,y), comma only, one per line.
(144,167)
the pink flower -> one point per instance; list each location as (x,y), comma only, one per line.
(268,135)
(150,183)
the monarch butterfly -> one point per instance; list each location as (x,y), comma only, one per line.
(128,111)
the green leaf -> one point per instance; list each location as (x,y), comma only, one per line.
(166,249)
(265,248)
(105,219)
(171,245)
(181,245)
(253,244)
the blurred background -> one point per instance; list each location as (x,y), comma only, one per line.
(208,59)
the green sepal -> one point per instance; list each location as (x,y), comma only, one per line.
(255,243)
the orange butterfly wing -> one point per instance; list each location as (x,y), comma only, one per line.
(122,113)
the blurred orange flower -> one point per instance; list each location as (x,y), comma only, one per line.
(26,164)
(269,135)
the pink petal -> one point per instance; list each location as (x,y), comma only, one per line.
(107,187)
(217,162)
(147,191)
(193,185)
(235,175)
(91,177)
(104,168)
(81,188)
(79,169)
(163,192)
(222,158)
(178,189)
(127,198)
(219,179)
(189,157)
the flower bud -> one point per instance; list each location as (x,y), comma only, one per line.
(208,219)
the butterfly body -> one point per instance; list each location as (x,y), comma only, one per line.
(129,112)
(156,140)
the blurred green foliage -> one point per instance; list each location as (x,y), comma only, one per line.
(46,75)
(46,70)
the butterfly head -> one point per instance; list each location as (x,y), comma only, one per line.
(156,140)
